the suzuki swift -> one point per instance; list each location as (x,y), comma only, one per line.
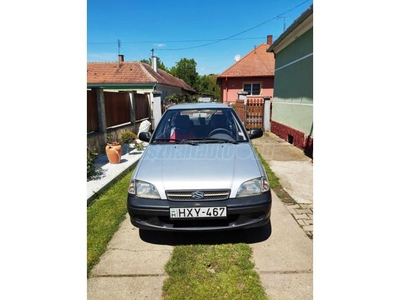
(199,172)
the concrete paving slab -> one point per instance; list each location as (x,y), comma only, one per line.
(296,178)
(284,261)
(291,286)
(295,172)
(130,268)
(133,265)
(124,288)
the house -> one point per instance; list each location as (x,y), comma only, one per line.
(122,94)
(292,108)
(252,75)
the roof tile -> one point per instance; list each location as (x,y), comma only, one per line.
(130,72)
(257,62)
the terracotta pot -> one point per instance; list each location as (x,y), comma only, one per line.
(114,152)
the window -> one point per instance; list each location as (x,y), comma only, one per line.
(252,88)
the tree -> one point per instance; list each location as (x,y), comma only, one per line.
(160,64)
(207,85)
(181,98)
(185,69)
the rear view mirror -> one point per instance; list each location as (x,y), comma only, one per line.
(145,136)
(256,133)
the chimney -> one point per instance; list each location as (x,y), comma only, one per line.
(269,40)
(154,63)
(120,58)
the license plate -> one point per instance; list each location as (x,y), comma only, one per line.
(197,212)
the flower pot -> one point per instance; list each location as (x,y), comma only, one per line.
(125,149)
(114,152)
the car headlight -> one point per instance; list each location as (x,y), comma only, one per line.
(143,189)
(253,187)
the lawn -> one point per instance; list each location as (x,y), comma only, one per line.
(212,272)
(223,271)
(103,218)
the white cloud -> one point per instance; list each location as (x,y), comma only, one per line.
(159,45)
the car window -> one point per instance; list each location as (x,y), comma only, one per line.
(199,124)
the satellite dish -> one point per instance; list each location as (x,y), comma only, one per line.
(237,57)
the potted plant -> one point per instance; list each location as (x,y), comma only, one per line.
(113,150)
(138,145)
(127,138)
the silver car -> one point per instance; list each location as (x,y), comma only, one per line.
(199,172)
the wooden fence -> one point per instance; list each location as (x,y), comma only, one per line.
(117,109)
(251,112)
(117,106)
(141,107)
(92,116)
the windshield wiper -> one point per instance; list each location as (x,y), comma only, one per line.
(195,142)
(219,140)
(169,140)
(192,142)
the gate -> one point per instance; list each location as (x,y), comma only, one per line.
(251,112)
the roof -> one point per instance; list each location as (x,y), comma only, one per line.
(303,17)
(213,105)
(256,63)
(117,73)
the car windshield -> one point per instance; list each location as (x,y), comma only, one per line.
(199,126)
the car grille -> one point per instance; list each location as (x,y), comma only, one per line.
(201,195)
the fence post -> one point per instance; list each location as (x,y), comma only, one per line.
(266,115)
(101,113)
(132,96)
(156,108)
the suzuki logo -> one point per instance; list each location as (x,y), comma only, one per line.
(197,195)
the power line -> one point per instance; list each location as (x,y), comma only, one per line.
(179,41)
(230,37)
(210,41)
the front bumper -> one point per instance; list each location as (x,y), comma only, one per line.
(242,213)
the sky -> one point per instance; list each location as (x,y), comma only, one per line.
(43,57)
(211,32)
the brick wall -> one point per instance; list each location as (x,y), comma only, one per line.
(293,136)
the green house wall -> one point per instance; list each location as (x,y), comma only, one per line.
(293,90)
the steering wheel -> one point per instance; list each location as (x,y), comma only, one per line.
(220,130)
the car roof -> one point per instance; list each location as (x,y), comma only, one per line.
(212,105)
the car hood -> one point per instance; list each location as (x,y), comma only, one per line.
(202,166)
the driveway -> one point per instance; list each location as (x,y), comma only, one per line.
(133,265)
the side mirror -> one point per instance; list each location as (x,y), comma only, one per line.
(256,133)
(145,136)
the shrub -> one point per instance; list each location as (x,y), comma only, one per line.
(128,137)
(110,138)
(91,169)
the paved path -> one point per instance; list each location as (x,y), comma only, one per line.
(285,260)
(295,172)
(133,265)
(130,269)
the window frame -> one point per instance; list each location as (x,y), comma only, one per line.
(251,88)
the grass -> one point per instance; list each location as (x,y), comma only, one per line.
(103,218)
(273,179)
(274,182)
(212,272)
(195,271)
